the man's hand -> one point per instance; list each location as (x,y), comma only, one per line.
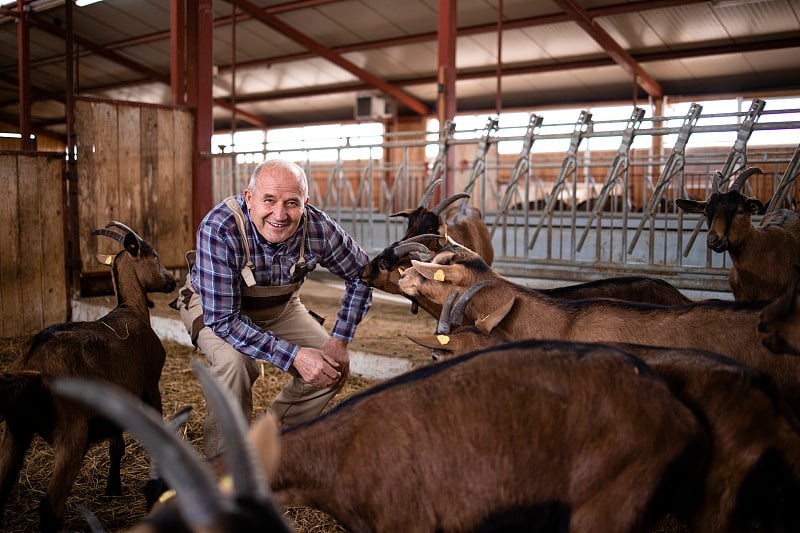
(336,350)
(324,367)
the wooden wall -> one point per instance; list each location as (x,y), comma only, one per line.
(134,166)
(33,290)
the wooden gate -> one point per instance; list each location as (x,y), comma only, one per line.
(135,166)
(33,291)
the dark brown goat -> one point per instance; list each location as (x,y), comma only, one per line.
(519,436)
(121,347)
(198,504)
(754,467)
(729,328)
(763,257)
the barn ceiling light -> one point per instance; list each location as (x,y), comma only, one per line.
(82,3)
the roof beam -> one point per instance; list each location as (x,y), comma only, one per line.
(321,50)
(611,47)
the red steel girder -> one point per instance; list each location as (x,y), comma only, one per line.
(321,50)
(611,47)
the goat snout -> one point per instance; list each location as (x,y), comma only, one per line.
(716,242)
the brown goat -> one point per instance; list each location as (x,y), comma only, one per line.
(764,256)
(198,504)
(433,227)
(779,322)
(729,328)
(521,439)
(462,223)
(754,465)
(121,347)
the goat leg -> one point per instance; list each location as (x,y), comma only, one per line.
(116,450)
(69,450)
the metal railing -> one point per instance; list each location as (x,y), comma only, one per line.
(570,216)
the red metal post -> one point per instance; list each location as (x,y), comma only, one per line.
(446,102)
(201,28)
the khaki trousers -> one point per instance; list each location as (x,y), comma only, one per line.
(297,402)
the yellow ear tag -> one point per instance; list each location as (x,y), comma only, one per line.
(400,270)
(443,339)
(166,495)
(226,484)
(439,276)
(109,259)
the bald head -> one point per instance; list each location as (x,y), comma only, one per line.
(281,169)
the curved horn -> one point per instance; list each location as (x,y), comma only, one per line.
(108,233)
(742,177)
(200,501)
(447,201)
(120,225)
(404,249)
(443,327)
(428,194)
(419,238)
(249,479)
(716,179)
(457,314)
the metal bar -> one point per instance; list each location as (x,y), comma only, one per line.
(785,185)
(567,166)
(620,163)
(673,167)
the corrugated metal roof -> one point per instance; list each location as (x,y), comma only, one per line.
(689,48)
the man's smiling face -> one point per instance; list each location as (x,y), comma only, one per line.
(276,203)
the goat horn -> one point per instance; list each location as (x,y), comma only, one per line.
(742,177)
(447,201)
(443,327)
(404,249)
(91,520)
(420,238)
(715,181)
(200,501)
(461,305)
(428,194)
(249,479)
(108,233)
(123,227)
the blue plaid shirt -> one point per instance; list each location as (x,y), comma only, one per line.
(220,258)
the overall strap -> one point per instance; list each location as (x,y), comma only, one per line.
(236,209)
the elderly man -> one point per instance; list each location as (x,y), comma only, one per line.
(240,303)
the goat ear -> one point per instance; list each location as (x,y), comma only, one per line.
(754,205)
(690,206)
(436,272)
(265,438)
(131,244)
(104,259)
(404,213)
(493,319)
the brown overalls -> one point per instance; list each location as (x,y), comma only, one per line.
(276,309)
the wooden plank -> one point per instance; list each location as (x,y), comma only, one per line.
(30,257)
(163,211)
(98,189)
(51,205)
(182,196)
(129,163)
(10,291)
(146,216)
